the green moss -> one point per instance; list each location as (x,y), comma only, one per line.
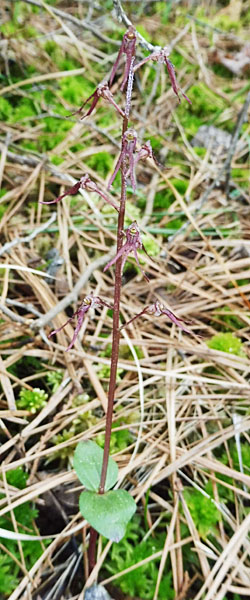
(227,342)
(29,145)
(140,582)
(133,213)
(156,142)
(56,160)
(119,439)
(199,151)
(241,176)
(32,400)
(58,56)
(10,574)
(225,23)
(234,456)
(54,379)
(3,206)
(226,494)
(162,200)
(163,9)
(25,108)
(82,422)
(77,148)
(104,373)
(165,197)
(5,109)
(17,478)
(54,126)
(8,29)
(204,101)
(203,511)
(75,89)
(151,245)
(101,163)
(105,115)
(143,32)
(230,320)
(19,25)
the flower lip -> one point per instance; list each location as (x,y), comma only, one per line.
(131,35)
(130,135)
(133,231)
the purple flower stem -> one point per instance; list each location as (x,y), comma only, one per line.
(115,344)
(116,313)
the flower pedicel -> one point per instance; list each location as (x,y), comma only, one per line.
(88,302)
(85,183)
(161,56)
(157,309)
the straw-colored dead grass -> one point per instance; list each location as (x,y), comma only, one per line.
(190,401)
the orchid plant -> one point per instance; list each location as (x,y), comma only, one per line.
(106,510)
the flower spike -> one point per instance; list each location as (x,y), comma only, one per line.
(102,91)
(161,56)
(89,301)
(85,183)
(157,309)
(132,244)
(128,48)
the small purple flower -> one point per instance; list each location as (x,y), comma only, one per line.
(157,309)
(89,301)
(132,244)
(127,153)
(85,183)
(127,47)
(161,56)
(102,91)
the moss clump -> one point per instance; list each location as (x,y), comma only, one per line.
(203,511)
(10,573)
(32,400)
(140,582)
(227,342)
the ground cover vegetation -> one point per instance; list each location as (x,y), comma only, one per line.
(180,430)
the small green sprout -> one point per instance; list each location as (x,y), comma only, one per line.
(54,379)
(32,400)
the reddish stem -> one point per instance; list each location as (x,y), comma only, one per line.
(91,549)
(117,295)
(115,349)
(116,313)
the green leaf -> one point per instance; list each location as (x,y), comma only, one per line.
(88,459)
(108,513)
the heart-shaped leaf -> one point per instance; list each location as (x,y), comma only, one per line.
(108,513)
(88,459)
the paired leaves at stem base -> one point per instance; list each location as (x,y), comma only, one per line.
(88,459)
(110,512)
